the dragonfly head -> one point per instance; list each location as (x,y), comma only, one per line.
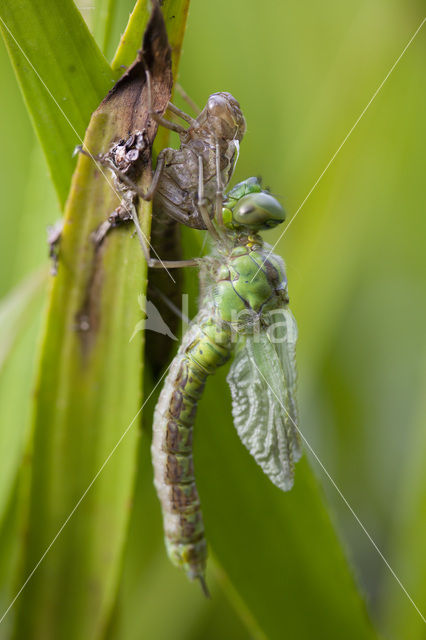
(223,116)
(249,207)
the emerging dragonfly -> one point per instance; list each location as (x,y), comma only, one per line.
(244,309)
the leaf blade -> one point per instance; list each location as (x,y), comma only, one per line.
(89,391)
(62,75)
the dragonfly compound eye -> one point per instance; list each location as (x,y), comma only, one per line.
(258,211)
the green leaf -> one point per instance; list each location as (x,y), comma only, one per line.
(19,323)
(20,320)
(15,311)
(25,304)
(87,394)
(11,533)
(62,74)
(89,387)
(175,14)
(108,22)
(17,136)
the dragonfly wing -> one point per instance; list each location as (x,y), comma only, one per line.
(283,333)
(262,379)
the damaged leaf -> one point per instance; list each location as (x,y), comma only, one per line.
(88,395)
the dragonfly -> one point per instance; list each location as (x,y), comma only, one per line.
(244,312)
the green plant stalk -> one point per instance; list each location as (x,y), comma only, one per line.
(88,396)
(108,19)
(175,14)
(19,345)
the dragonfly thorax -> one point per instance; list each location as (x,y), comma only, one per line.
(248,285)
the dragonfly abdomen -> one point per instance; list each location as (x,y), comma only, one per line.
(204,348)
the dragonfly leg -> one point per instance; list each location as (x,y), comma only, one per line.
(159,119)
(161,161)
(156,263)
(219,189)
(143,240)
(202,204)
(194,106)
(181,114)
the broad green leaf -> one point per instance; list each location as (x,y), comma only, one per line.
(11,537)
(175,14)
(131,38)
(39,212)
(20,319)
(62,74)
(88,394)
(28,239)
(15,311)
(20,314)
(17,136)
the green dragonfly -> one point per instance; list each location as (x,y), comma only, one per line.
(243,311)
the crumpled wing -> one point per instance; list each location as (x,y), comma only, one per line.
(263,381)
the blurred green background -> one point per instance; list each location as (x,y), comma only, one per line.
(355,254)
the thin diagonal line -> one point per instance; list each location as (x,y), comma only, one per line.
(99,167)
(344,499)
(83,495)
(333,157)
